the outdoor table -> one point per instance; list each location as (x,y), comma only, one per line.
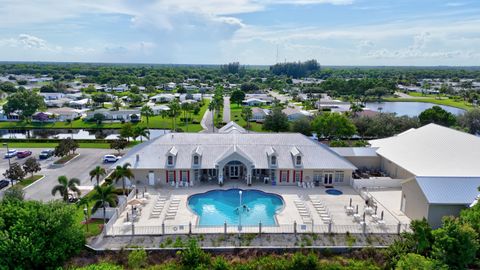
(356,217)
(369,210)
(349,209)
(375,217)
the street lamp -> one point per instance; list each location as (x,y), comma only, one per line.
(9,164)
(85,213)
(240,212)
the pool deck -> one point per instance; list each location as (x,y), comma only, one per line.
(300,206)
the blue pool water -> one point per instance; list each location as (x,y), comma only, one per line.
(218,206)
(333,191)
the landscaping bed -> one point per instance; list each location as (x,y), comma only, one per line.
(66,159)
(28,181)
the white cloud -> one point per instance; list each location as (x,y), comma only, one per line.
(25,41)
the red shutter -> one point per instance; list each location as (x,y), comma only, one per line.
(188,176)
(281,172)
(181,174)
(301,176)
(174,176)
(288,176)
(166,175)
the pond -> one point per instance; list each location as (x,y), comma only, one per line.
(408,108)
(84,134)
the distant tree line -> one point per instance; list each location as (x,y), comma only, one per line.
(296,69)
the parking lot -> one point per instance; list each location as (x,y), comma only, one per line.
(77,168)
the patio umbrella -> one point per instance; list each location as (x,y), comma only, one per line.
(350,202)
(356,211)
(376,207)
(363,216)
(134,202)
(381,216)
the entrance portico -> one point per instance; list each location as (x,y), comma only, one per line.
(234,164)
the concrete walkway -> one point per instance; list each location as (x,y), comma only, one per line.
(226,109)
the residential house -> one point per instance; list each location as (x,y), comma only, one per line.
(294,113)
(110,115)
(259,114)
(162,98)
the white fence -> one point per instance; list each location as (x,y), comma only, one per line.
(121,206)
(293,228)
(373,183)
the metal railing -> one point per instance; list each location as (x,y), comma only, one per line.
(294,228)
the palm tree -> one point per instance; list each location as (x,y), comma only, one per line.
(104,196)
(147,112)
(165,114)
(65,185)
(139,131)
(116,104)
(211,107)
(247,114)
(122,173)
(85,202)
(174,111)
(97,173)
(186,107)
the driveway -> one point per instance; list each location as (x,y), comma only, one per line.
(77,168)
(226,109)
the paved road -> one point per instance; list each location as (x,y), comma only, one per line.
(226,109)
(206,122)
(78,168)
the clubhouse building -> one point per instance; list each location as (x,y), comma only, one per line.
(436,168)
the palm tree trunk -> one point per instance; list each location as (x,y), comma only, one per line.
(98,180)
(123,185)
(104,214)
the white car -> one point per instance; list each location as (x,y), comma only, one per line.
(11,153)
(110,158)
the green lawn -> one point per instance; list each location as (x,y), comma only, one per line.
(236,115)
(155,122)
(94,226)
(29,180)
(446,102)
(167,123)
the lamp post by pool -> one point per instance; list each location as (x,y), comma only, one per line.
(85,212)
(240,212)
(9,165)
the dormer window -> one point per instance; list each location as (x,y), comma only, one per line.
(170,160)
(273,160)
(298,160)
(196,160)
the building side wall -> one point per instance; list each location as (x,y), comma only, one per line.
(365,162)
(437,211)
(393,170)
(416,205)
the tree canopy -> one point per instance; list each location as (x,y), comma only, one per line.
(333,126)
(438,116)
(25,102)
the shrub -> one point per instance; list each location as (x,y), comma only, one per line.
(137,259)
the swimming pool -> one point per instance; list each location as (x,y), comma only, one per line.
(334,192)
(218,206)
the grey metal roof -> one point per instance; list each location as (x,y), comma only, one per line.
(232,127)
(356,151)
(255,146)
(449,190)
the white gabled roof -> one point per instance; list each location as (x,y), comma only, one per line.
(232,127)
(433,150)
(449,190)
(252,146)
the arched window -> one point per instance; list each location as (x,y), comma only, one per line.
(298,160)
(273,160)
(170,160)
(195,160)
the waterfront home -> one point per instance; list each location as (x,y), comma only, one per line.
(110,115)
(64,113)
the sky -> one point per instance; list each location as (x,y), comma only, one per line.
(256,32)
